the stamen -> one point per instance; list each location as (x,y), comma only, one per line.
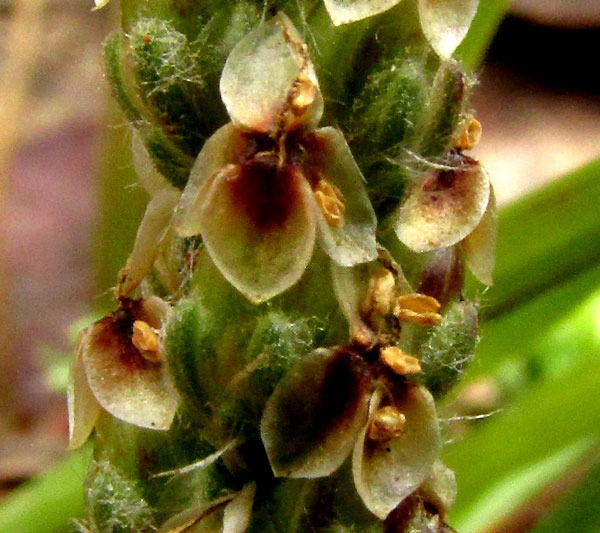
(145,339)
(387,424)
(380,293)
(304,95)
(470,134)
(417,309)
(400,362)
(329,200)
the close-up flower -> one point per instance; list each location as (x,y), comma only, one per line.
(337,402)
(118,367)
(449,205)
(267,183)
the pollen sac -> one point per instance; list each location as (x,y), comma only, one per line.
(417,309)
(145,339)
(444,206)
(269,83)
(401,363)
(469,134)
(330,203)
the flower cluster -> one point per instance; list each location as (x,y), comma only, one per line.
(265,188)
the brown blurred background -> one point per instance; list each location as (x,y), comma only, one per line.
(539,106)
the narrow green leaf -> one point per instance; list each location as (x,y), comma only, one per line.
(483,28)
(519,333)
(540,423)
(579,511)
(50,502)
(545,238)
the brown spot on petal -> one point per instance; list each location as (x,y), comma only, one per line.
(311,421)
(444,206)
(114,334)
(345,375)
(266,190)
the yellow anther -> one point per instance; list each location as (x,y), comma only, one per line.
(145,339)
(303,95)
(329,200)
(380,293)
(417,309)
(469,135)
(387,424)
(400,362)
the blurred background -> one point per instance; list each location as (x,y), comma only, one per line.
(64,166)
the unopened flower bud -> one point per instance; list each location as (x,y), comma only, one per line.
(387,424)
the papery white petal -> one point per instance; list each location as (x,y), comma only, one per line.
(446,22)
(150,178)
(262,78)
(353,242)
(440,487)
(350,286)
(149,237)
(206,517)
(261,249)
(344,11)
(443,207)
(100,4)
(387,472)
(221,149)
(312,419)
(238,512)
(479,246)
(83,406)
(125,384)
